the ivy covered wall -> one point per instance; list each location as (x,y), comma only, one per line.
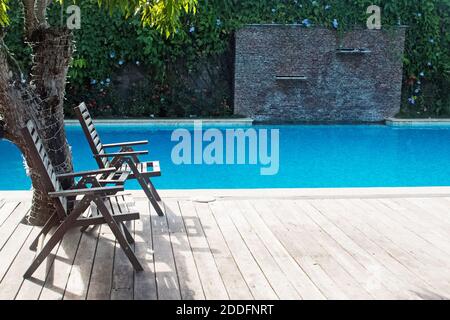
(120,69)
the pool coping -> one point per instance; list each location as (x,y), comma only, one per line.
(288,193)
(400,122)
(170,122)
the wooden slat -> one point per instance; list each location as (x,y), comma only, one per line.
(11,282)
(372,276)
(11,222)
(404,235)
(430,234)
(12,247)
(100,284)
(6,210)
(301,248)
(31,288)
(345,267)
(382,250)
(80,273)
(435,211)
(144,281)
(389,238)
(123,272)
(273,272)
(56,281)
(294,272)
(378,273)
(340,265)
(190,285)
(232,278)
(166,273)
(250,270)
(212,282)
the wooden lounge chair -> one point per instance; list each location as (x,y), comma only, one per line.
(91,206)
(126,159)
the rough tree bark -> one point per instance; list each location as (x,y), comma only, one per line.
(40,99)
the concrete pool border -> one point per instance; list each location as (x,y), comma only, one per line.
(170,122)
(394,122)
(248,122)
(282,193)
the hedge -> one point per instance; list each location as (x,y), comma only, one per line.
(190,73)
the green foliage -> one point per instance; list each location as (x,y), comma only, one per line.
(190,73)
(4,19)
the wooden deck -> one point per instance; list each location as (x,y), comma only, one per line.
(244,248)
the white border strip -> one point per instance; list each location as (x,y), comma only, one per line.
(417,122)
(169,122)
(302,193)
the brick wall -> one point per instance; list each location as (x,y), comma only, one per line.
(339,87)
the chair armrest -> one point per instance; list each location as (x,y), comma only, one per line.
(85,173)
(87,191)
(125,144)
(120,154)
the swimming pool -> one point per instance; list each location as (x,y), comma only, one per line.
(310,156)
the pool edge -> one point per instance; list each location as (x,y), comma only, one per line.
(398,122)
(300,193)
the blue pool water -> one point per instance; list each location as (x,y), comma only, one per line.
(310,157)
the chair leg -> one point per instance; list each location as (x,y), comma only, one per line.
(45,229)
(127,233)
(119,235)
(153,190)
(150,196)
(144,182)
(56,237)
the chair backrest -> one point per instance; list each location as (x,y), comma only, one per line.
(91,134)
(41,163)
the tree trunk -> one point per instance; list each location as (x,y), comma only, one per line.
(41,100)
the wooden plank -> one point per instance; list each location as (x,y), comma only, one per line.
(17,213)
(6,209)
(429,235)
(57,278)
(433,210)
(190,284)
(253,275)
(353,259)
(166,273)
(374,244)
(11,249)
(390,282)
(420,216)
(299,247)
(211,280)
(380,233)
(272,270)
(232,278)
(11,282)
(437,208)
(404,235)
(10,241)
(334,260)
(144,281)
(31,288)
(294,272)
(100,283)
(123,274)
(80,274)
